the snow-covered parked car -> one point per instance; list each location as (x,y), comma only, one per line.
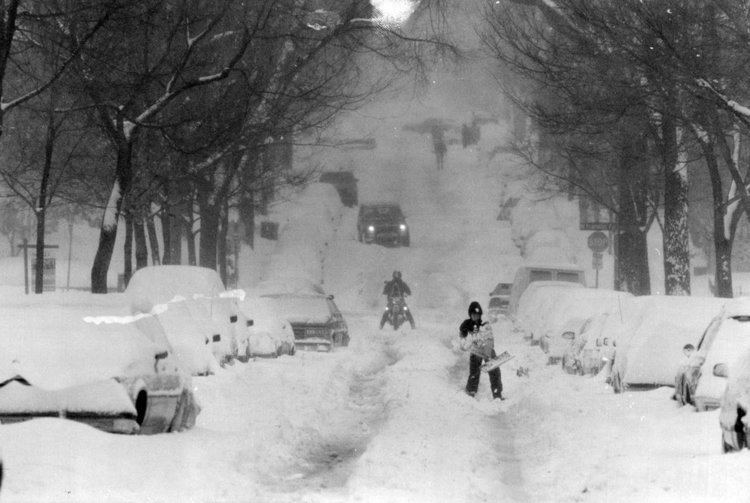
(75,360)
(270,334)
(569,311)
(535,305)
(528,274)
(701,381)
(213,309)
(190,336)
(650,354)
(580,359)
(497,306)
(735,404)
(317,323)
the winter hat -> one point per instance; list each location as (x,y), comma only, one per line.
(474,307)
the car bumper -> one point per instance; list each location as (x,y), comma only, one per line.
(314,345)
(704,403)
(117,424)
(386,237)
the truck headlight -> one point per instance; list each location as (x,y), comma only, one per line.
(370,229)
(402,227)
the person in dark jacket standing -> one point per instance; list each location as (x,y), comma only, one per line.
(480,344)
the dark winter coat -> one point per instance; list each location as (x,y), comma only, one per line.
(396,288)
(469,326)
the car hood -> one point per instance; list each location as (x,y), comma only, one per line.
(55,348)
(104,397)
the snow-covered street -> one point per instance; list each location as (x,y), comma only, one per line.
(387,420)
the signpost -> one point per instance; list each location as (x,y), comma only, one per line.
(594,217)
(598,242)
(48,280)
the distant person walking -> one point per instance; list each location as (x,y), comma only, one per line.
(438,145)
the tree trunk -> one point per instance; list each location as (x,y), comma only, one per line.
(108,232)
(676,242)
(188,222)
(722,242)
(153,240)
(127,271)
(41,217)
(221,244)
(141,250)
(190,241)
(166,234)
(246,209)
(209,218)
(632,272)
(175,233)
(41,210)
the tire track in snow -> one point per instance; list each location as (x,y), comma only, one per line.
(506,456)
(328,460)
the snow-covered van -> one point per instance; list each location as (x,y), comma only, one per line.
(527,274)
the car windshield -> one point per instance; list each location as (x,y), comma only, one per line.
(567,276)
(382,212)
(501,288)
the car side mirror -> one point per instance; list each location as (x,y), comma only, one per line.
(159,356)
(249,323)
(720,370)
(233,318)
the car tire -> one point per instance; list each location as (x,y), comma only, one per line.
(730,441)
(186,412)
(726,448)
(616,383)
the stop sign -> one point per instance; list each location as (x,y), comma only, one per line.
(598,241)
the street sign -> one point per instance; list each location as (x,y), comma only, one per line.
(597,261)
(593,216)
(598,241)
(598,226)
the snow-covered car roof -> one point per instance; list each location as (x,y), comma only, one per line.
(55,348)
(582,303)
(293,285)
(739,306)
(552,265)
(536,301)
(161,284)
(305,309)
(653,352)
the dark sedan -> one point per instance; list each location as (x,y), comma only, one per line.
(316,321)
